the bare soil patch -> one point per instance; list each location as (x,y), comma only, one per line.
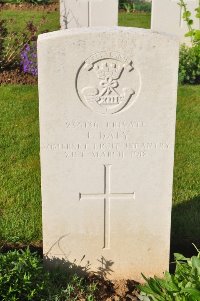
(35,247)
(16,76)
(122,290)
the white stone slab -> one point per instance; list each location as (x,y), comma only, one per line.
(86,13)
(107,127)
(167,17)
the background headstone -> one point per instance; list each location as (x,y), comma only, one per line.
(167,17)
(107,130)
(86,13)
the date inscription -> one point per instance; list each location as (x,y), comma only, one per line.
(109,140)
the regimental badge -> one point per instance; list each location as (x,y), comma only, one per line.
(107,83)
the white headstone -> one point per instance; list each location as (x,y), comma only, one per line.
(107,127)
(86,13)
(167,17)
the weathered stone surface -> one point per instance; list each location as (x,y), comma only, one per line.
(86,13)
(167,17)
(107,127)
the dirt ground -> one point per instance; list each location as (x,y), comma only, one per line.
(17,77)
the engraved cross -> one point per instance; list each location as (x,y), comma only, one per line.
(107,196)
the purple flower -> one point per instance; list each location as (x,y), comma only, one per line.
(29,59)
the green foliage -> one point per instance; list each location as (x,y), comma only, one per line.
(76,289)
(135,5)
(3,35)
(189,64)
(142,6)
(121,2)
(194,34)
(184,285)
(129,7)
(23,278)
(12,42)
(11,1)
(189,67)
(38,2)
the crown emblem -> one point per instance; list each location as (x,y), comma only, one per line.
(107,95)
(105,70)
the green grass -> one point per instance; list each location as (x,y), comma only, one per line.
(20,19)
(20,200)
(135,20)
(186,195)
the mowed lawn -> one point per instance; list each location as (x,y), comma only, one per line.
(20,18)
(135,20)
(20,195)
(17,20)
(20,200)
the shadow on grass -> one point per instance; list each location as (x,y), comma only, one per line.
(185,228)
(105,287)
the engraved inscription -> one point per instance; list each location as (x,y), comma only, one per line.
(108,150)
(106,140)
(76,124)
(107,83)
(107,196)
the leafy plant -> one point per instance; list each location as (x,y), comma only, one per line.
(3,35)
(76,289)
(39,2)
(12,1)
(23,278)
(121,3)
(189,65)
(129,7)
(194,34)
(12,42)
(142,6)
(184,285)
(29,59)
(135,5)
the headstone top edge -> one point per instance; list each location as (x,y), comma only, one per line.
(95,30)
